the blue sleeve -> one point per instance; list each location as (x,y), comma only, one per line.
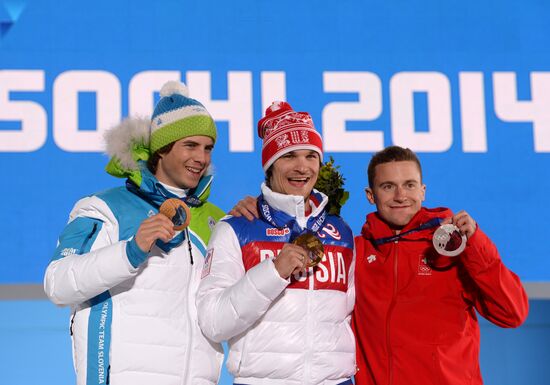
(136,256)
(77,237)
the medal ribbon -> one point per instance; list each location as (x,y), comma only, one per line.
(157,197)
(280,219)
(428,225)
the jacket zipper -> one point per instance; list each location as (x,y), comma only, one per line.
(88,238)
(307,364)
(388,318)
(188,314)
(72,322)
(189,245)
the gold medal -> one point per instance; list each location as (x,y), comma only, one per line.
(177,211)
(313,246)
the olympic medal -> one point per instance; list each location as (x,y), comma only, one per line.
(177,211)
(448,240)
(313,246)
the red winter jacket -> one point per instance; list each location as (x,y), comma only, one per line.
(414,316)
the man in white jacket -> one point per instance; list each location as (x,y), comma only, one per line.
(128,276)
(287,322)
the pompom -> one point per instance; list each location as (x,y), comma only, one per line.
(275,106)
(121,140)
(174,87)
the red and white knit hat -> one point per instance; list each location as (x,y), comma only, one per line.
(284,130)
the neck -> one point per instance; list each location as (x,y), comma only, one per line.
(179,192)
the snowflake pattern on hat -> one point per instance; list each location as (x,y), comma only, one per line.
(284,130)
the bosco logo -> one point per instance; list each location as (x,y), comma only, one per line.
(275,232)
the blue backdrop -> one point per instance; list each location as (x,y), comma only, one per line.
(466,84)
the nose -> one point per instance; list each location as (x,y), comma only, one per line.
(301,165)
(400,194)
(200,156)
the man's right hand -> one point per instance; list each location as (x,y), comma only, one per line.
(291,260)
(247,207)
(156,227)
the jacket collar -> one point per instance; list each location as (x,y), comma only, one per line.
(286,208)
(155,193)
(375,227)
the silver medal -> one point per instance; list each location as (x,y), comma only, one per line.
(448,240)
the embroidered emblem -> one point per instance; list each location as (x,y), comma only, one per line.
(207,263)
(275,232)
(68,251)
(330,230)
(211,223)
(423,267)
(371,258)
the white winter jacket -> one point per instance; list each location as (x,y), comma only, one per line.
(132,325)
(294,331)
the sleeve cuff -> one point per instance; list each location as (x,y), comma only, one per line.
(135,255)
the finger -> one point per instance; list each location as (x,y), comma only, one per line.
(234,213)
(151,227)
(241,210)
(251,204)
(303,258)
(162,230)
(247,214)
(460,216)
(163,234)
(465,220)
(157,220)
(447,221)
(301,264)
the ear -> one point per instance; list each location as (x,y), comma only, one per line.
(423,193)
(370,195)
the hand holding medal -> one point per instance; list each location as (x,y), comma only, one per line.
(450,238)
(313,246)
(296,257)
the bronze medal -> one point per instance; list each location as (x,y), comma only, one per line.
(313,246)
(177,211)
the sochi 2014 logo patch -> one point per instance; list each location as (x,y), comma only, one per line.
(207,263)
(330,230)
(423,267)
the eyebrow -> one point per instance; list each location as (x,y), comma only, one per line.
(392,182)
(190,141)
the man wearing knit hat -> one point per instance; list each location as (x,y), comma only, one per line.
(129,272)
(279,288)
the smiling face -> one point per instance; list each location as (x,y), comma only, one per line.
(295,173)
(186,162)
(397,192)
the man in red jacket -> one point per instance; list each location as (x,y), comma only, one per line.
(415,312)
